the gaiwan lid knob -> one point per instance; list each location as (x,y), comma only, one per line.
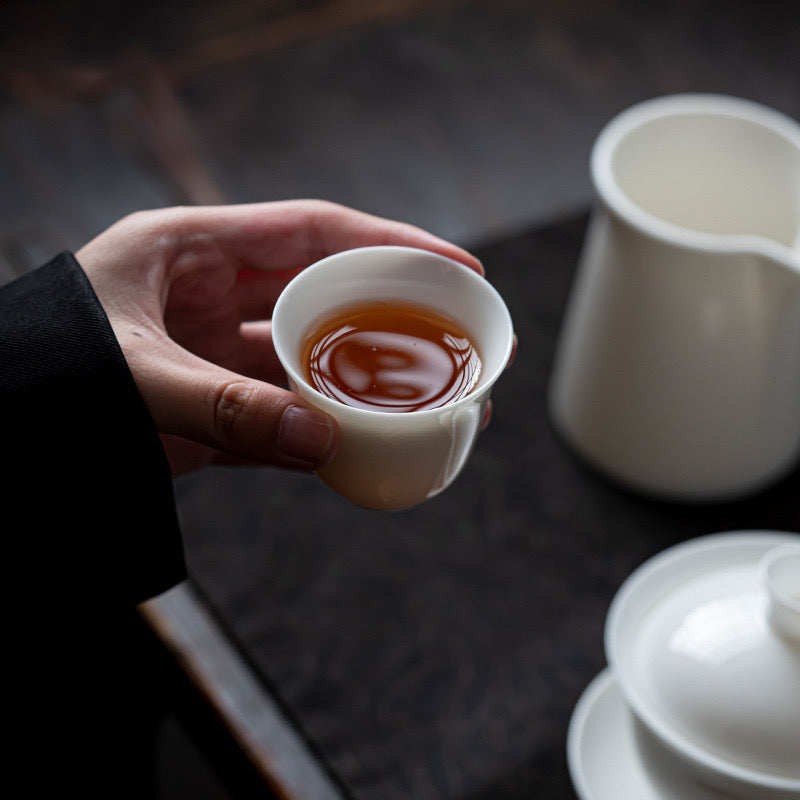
(780,575)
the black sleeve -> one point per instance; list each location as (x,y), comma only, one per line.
(89,504)
(89,530)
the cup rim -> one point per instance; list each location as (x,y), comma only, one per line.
(709,104)
(308,273)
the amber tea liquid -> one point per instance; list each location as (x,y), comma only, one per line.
(390,356)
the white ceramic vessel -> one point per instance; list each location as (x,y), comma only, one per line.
(703,642)
(678,366)
(396,460)
(610,758)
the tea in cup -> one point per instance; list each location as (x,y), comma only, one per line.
(402,347)
(390,356)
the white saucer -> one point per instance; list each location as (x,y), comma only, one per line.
(604,755)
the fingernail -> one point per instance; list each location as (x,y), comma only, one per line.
(306,435)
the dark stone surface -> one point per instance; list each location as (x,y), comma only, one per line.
(439,652)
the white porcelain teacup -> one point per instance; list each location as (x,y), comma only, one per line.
(678,367)
(390,460)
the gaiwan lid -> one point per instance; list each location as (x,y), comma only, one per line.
(704,640)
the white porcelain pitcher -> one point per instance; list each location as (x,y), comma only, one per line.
(678,366)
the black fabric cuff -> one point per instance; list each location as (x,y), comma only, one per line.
(89,480)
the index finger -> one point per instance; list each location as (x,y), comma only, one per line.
(291,234)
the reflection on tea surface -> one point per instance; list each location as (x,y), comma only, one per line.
(390,356)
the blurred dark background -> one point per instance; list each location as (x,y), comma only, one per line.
(471,118)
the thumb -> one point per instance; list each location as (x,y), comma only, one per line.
(249,419)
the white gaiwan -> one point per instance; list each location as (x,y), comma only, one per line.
(704,643)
